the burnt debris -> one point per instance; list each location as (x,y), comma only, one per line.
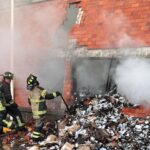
(93,122)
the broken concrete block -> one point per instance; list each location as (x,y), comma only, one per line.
(67,146)
(61,124)
(84,147)
(91,118)
(51,138)
(35,147)
(6,147)
(73,128)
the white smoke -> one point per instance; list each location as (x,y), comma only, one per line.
(92,74)
(38,39)
(132,74)
(117,29)
(133,80)
(116,35)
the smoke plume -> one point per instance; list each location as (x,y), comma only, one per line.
(92,74)
(133,80)
(38,39)
(117,30)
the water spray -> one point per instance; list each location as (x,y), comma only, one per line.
(12,46)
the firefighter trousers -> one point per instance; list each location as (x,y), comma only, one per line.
(4,122)
(16,114)
(39,123)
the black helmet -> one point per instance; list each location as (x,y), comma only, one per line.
(31,82)
(8,75)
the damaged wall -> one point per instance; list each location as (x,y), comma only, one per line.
(113,24)
(111,29)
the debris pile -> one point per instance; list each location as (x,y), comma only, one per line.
(95,123)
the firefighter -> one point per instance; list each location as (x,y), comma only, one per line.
(3,121)
(9,106)
(37,100)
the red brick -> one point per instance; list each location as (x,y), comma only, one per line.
(135,5)
(135,12)
(136,112)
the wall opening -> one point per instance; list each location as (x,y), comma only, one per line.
(71,16)
(94,74)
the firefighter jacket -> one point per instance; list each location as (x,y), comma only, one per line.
(5,89)
(2,100)
(37,100)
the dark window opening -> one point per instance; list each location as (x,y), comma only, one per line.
(94,74)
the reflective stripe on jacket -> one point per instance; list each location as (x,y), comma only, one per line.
(38,103)
(2,107)
(36,135)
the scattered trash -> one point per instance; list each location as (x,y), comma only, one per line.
(95,123)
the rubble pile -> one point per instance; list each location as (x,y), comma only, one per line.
(100,124)
(96,123)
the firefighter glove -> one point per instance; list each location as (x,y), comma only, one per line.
(5,130)
(14,105)
(58,93)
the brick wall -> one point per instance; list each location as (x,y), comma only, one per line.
(113,24)
(67,89)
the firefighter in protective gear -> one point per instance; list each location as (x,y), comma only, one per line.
(37,100)
(3,113)
(9,106)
